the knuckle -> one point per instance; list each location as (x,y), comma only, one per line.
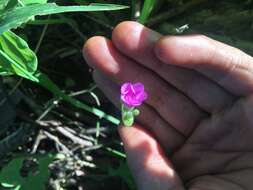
(236,60)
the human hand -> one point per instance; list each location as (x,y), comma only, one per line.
(195,130)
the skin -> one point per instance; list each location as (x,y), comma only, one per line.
(195,129)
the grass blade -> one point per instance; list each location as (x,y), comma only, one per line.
(14,18)
(146,10)
(116,152)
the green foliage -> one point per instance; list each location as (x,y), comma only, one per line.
(10,174)
(3,4)
(148,6)
(16,57)
(52,87)
(228,21)
(14,18)
(11,4)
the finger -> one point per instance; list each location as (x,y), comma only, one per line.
(137,42)
(229,67)
(148,164)
(173,106)
(169,138)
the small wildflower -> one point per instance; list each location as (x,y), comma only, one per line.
(132,95)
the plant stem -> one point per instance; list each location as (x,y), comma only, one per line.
(41,37)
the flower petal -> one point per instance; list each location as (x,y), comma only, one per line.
(133,94)
(138,87)
(141,96)
(125,88)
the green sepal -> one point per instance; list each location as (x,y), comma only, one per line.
(127,115)
(128,119)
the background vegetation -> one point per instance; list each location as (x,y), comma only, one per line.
(57,130)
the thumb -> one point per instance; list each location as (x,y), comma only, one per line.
(150,168)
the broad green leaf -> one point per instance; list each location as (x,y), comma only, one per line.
(11,4)
(14,18)
(16,57)
(50,21)
(3,3)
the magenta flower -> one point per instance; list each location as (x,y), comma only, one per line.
(133,94)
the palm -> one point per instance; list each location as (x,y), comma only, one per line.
(219,152)
(195,107)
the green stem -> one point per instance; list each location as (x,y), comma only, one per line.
(116,152)
(41,37)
